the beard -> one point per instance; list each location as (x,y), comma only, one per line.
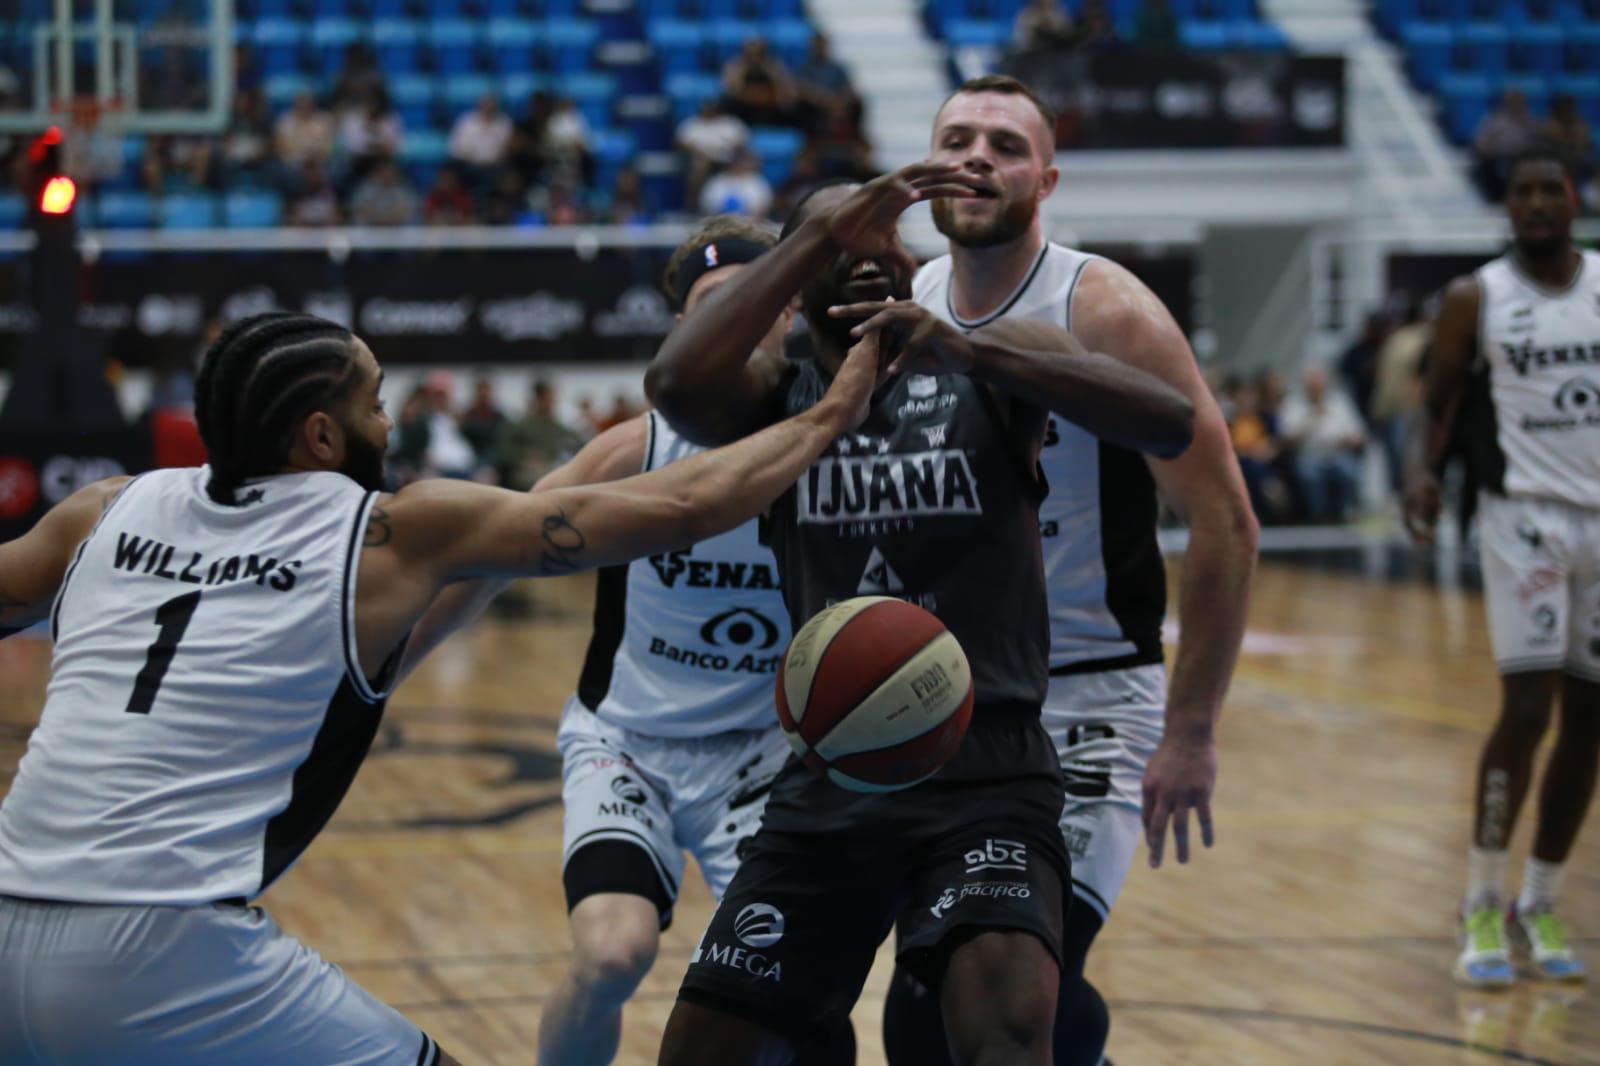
(1010,224)
(817,297)
(1538,249)
(363,461)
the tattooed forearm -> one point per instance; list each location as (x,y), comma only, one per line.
(563,545)
(379,531)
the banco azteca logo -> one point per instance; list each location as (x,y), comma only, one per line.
(759,925)
(1579,396)
(740,627)
(628,789)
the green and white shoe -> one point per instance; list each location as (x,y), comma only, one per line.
(1485,960)
(1543,937)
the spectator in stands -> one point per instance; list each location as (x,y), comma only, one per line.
(174,82)
(304,134)
(562,204)
(1569,134)
(758,87)
(359,80)
(1043,24)
(627,206)
(1503,134)
(448,453)
(246,69)
(740,190)
(482,421)
(153,168)
(1397,396)
(316,201)
(92,154)
(369,132)
(1358,366)
(1255,442)
(1321,424)
(1155,27)
(530,447)
(385,198)
(247,142)
(804,175)
(195,166)
(564,145)
(507,202)
(448,203)
(588,417)
(479,141)
(525,153)
(1096,31)
(824,88)
(712,139)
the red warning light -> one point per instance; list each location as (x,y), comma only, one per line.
(58,196)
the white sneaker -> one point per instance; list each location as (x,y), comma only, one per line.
(1543,937)
(1485,959)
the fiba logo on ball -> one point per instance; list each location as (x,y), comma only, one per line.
(628,789)
(759,925)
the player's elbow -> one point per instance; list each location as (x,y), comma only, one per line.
(1172,428)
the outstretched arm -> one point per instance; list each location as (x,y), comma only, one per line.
(33,566)
(617,453)
(1455,341)
(708,379)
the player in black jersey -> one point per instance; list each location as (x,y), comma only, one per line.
(971,861)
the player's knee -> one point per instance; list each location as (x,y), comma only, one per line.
(999,1000)
(1526,701)
(614,945)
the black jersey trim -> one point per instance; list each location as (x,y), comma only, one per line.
(1147,653)
(650,443)
(77,557)
(1010,301)
(610,620)
(1130,556)
(347,612)
(1072,286)
(349,724)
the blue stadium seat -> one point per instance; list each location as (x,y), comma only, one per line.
(331,39)
(1451,11)
(1393,14)
(281,89)
(592,93)
(1583,48)
(1537,90)
(422,153)
(1480,48)
(1585,88)
(279,45)
(648,116)
(455,45)
(777,148)
(393,9)
(415,97)
(613,149)
(508,8)
(124,210)
(571,43)
(1428,49)
(1536,49)
(1467,99)
(661,175)
(395,40)
(678,45)
(975,33)
(517,89)
(790,38)
(252,209)
(1205,36)
(727,36)
(463,91)
(13,210)
(688,91)
(1257,36)
(512,42)
(188,210)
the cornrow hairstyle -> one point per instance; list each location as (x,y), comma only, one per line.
(256,382)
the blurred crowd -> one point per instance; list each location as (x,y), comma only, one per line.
(1304,450)
(339,159)
(1048,23)
(1512,129)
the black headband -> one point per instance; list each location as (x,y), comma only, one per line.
(708,257)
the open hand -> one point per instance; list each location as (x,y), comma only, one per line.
(864,223)
(925,343)
(1421,503)
(1181,777)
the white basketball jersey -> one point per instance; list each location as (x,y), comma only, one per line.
(1107,585)
(1542,350)
(687,643)
(205,713)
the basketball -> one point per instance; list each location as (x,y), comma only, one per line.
(875,694)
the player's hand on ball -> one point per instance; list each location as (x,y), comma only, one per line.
(858,375)
(864,224)
(1421,502)
(1181,777)
(923,342)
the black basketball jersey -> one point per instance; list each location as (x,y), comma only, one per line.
(931,501)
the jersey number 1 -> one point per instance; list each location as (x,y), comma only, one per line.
(173,618)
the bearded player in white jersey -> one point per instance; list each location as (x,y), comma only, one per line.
(1514,377)
(225,641)
(670,743)
(1129,741)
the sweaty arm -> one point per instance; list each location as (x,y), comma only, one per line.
(617,453)
(33,566)
(1115,312)
(433,533)
(1455,342)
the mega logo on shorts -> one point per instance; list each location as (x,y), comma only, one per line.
(997,855)
(758,925)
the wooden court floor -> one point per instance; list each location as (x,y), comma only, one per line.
(1320,929)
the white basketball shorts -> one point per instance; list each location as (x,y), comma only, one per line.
(1541,583)
(1105,727)
(118,985)
(663,795)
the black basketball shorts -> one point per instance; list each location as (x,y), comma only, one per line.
(830,872)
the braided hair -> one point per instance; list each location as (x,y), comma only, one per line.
(256,381)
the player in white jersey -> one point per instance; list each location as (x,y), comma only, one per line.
(225,641)
(1515,376)
(1135,752)
(670,743)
